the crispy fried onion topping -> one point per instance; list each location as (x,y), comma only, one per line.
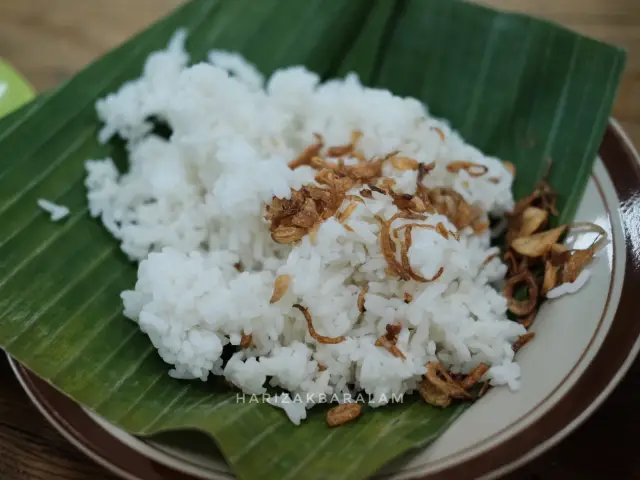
(280,287)
(363,172)
(411,203)
(404,254)
(439,132)
(537,261)
(246,340)
(438,388)
(404,163)
(342,414)
(550,279)
(388,248)
(348,149)
(564,265)
(521,307)
(346,213)
(433,395)
(523,340)
(528,222)
(438,376)
(360,173)
(312,331)
(450,203)
(402,269)
(390,339)
(473,169)
(361,298)
(293,218)
(538,244)
(474,376)
(308,153)
(543,197)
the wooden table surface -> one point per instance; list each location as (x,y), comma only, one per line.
(50,40)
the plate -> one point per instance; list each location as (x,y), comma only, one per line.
(584,344)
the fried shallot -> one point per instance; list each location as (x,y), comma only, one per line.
(389,340)
(246,340)
(387,246)
(529,222)
(293,218)
(550,279)
(404,163)
(433,395)
(474,376)
(452,205)
(406,265)
(342,414)
(312,331)
(280,287)
(361,298)
(438,376)
(473,169)
(521,307)
(439,132)
(523,340)
(308,153)
(538,244)
(287,235)
(348,149)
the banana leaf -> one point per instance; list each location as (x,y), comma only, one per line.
(519,88)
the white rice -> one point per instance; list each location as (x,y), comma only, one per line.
(56,212)
(192,206)
(294,408)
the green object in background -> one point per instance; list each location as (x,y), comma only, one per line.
(14,90)
(517,88)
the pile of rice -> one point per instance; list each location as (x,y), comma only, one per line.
(191,207)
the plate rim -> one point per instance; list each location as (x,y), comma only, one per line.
(536,438)
(615,128)
(524,446)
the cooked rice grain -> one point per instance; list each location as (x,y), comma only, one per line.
(191,207)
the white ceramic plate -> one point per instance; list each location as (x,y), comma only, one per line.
(584,344)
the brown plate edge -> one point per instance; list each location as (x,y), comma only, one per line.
(612,360)
(77,427)
(606,370)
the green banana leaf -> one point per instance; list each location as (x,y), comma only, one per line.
(518,88)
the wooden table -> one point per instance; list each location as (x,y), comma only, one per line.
(50,40)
